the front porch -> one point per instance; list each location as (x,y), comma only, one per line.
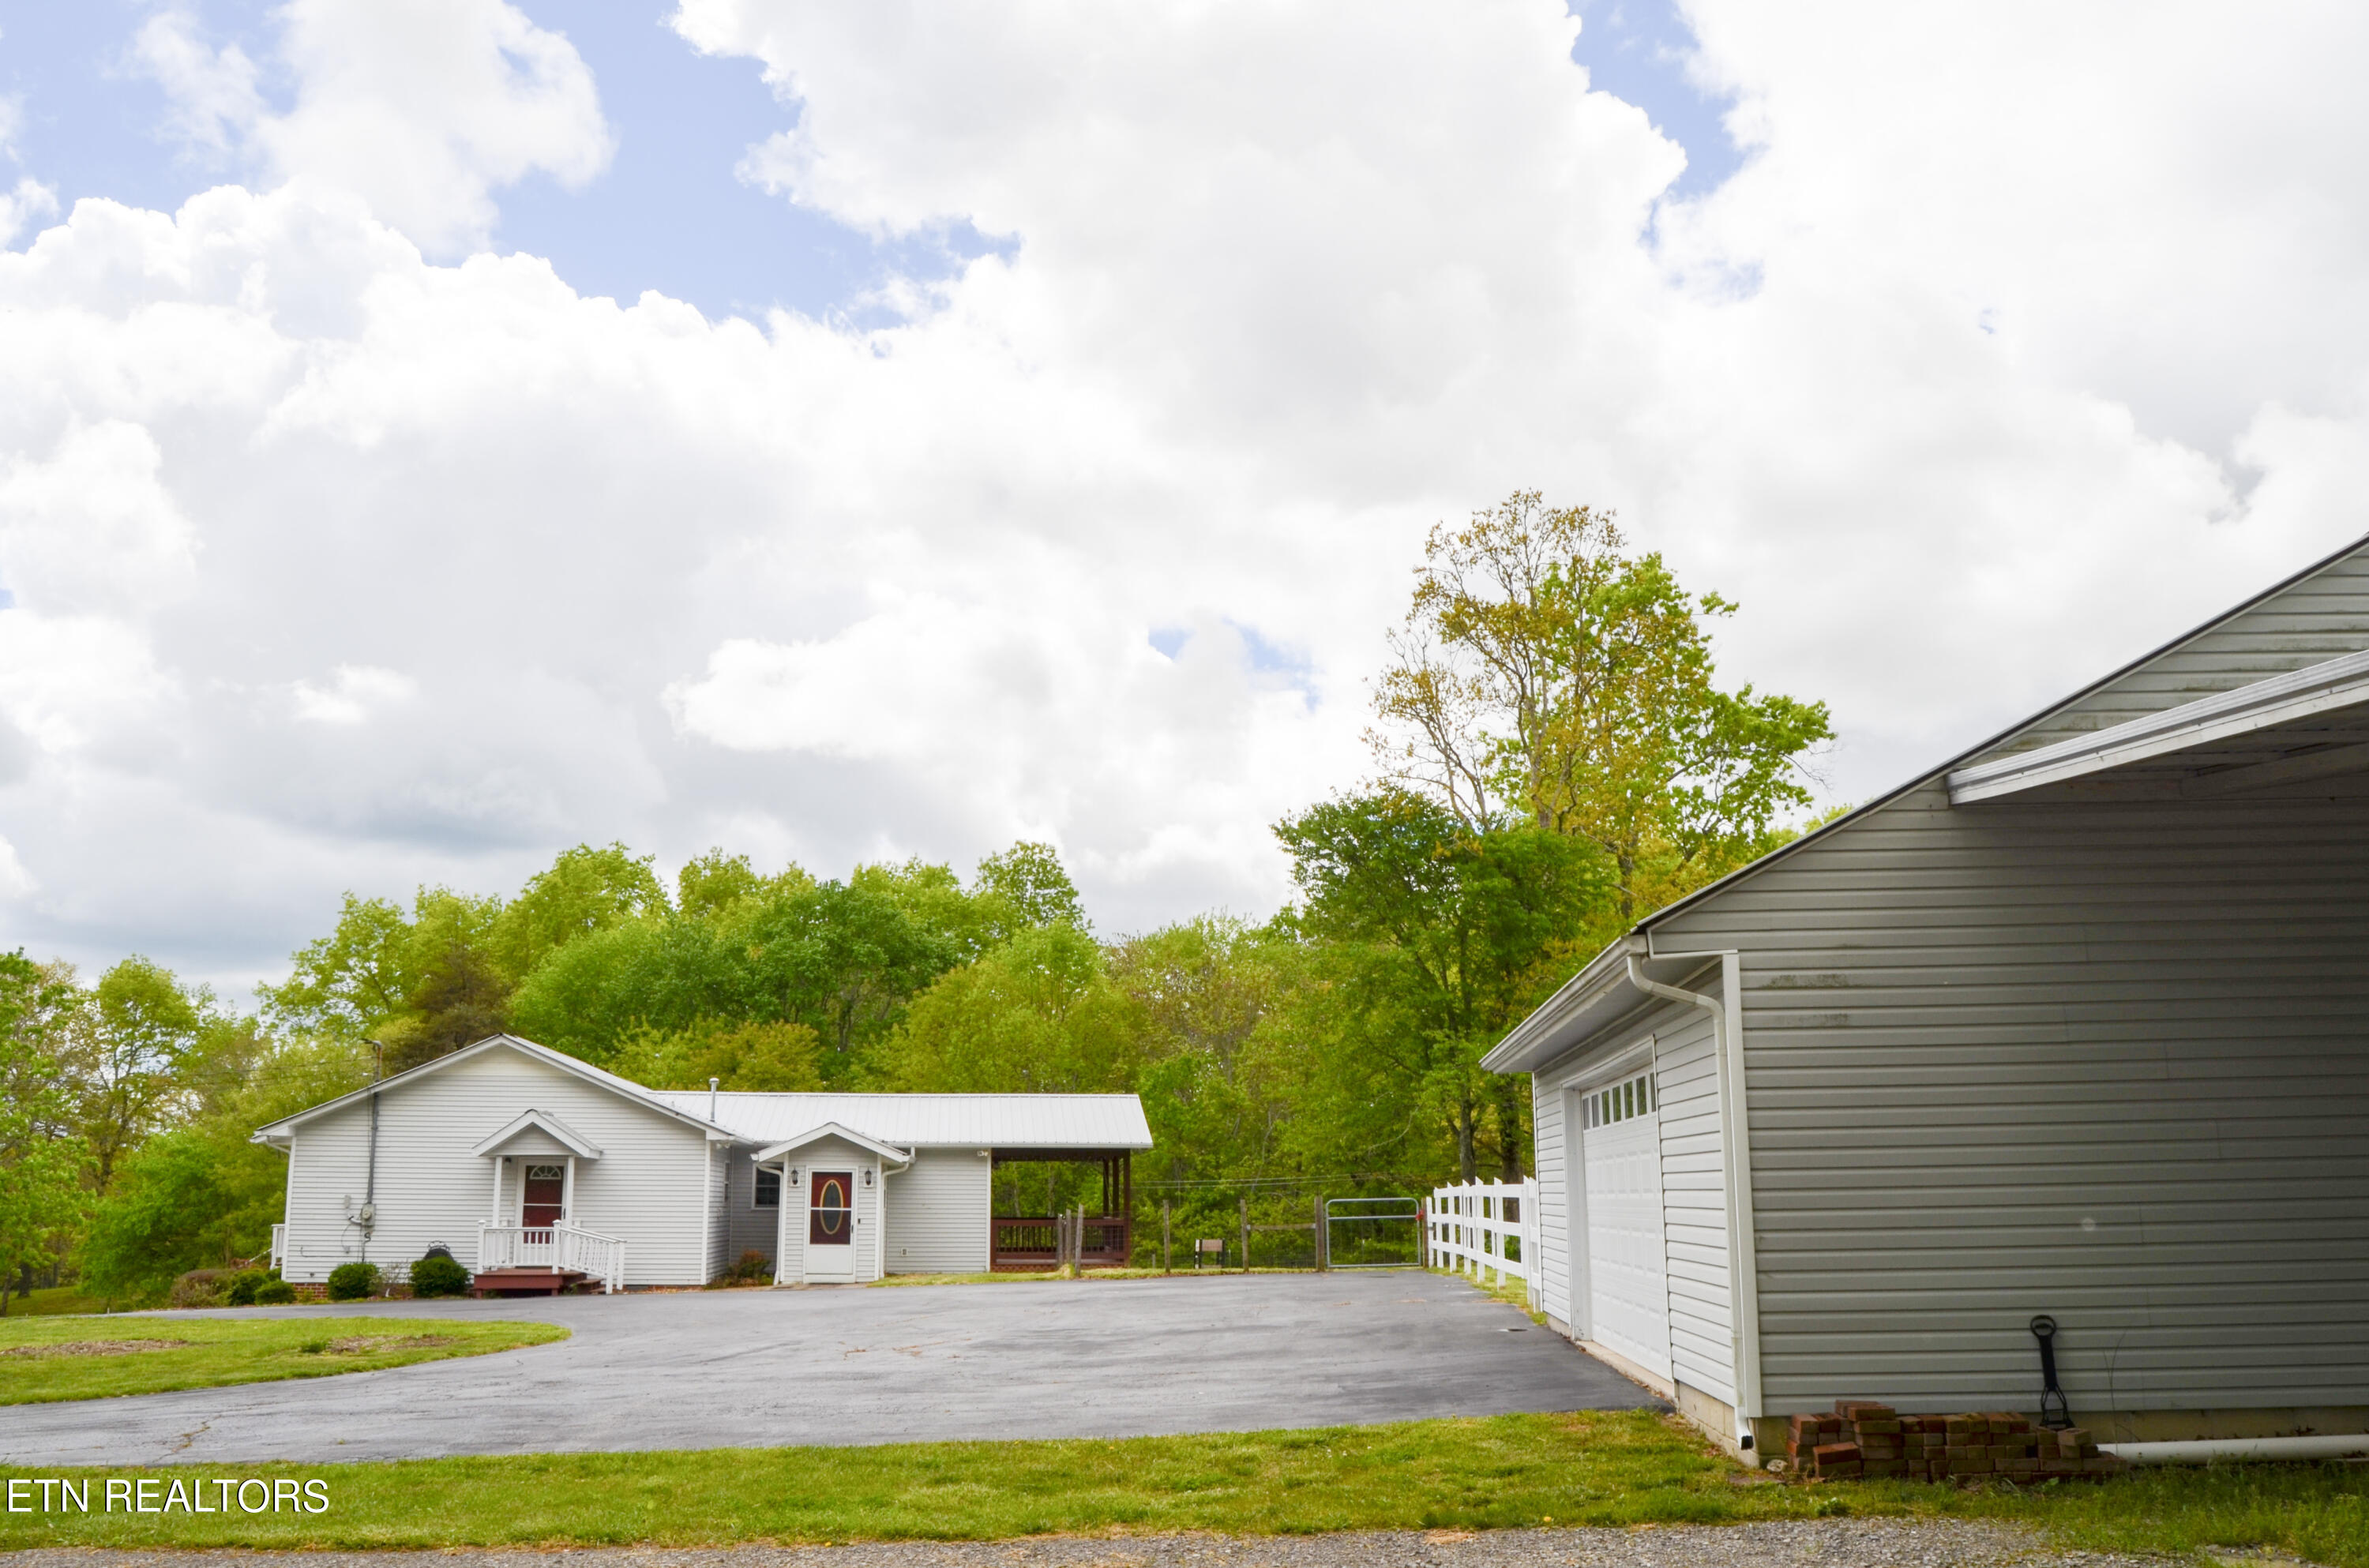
(545,1260)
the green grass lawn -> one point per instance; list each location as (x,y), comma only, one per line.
(58,1299)
(47,1358)
(1613,1469)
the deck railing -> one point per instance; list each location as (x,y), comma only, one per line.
(1034,1240)
(279,1246)
(567,1247)
(1485,1229)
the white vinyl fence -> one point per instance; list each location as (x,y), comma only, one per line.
(1486,1230)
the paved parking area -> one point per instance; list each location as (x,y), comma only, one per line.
(1094,1359)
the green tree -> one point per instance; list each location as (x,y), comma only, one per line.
(125,1047)
(1029,878)
(765,1058)
(201,1194)
(1447,937)
(350,981)
(1036,1015)
(583,891)
(714,883)
(42,1155)
(1544,673)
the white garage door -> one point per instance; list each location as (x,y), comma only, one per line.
(1629,1294)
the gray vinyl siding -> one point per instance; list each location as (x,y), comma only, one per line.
(747,1228)
(2309,623)
(647,1188)
(2106,1061)
(719,1220)
(1686,1083)
(939,1213)
(1694,1205)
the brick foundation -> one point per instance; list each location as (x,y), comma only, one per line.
(1864,1439)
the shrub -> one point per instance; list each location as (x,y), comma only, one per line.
(754,1269)
(435,1275)
(244,1285)
(199,1288)
(352,1281)
(274,1293)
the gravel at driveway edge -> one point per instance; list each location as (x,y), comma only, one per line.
(1816,1543)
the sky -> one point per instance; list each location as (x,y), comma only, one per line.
(434,434)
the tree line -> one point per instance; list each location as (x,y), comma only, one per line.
(1554,758)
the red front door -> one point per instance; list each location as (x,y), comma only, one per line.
(539,1199)
(831,1217)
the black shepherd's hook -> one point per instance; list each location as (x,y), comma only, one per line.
(2053,1413)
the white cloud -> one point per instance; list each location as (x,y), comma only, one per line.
(422,110)
(21,205)
(16,882)
(358,691)
(2010,394)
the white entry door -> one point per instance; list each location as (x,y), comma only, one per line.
(1629,1288)
(830,1225)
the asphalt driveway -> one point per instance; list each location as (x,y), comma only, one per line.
(853,1366)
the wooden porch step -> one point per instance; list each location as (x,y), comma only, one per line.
(524,1281)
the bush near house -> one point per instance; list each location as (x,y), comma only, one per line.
(274,1293)
(754,1269)
(245,1284)
(437,1275)
(352,1281)
(199,1288)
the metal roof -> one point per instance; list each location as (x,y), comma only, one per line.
(925,1121)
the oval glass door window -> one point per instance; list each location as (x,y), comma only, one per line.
(830,1215)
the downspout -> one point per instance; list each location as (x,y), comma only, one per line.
(369,1215)
(1742,1323)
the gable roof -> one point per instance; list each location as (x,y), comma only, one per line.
(279,1131)
(551,1127)
(1113,1122)
(832,1129)
(2316,617)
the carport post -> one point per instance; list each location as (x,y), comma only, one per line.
(1163,1238)
(1322,1261)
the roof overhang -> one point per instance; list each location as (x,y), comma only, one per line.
(280,1133)
(1592,1001)
(567,1137)
(2272,710)
(789,1146)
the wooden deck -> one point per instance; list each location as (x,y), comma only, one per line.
(525,1281)
(1025,1242)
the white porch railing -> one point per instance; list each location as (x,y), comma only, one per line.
(1485,1230)
(279,1246)
(564,1247)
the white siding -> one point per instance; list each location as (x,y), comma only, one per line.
(647,1188)
(2108,1061)
(831,1154)
(939,1214)
(1694,1210)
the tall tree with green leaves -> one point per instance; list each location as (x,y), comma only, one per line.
(42,1152)
(125,1045)
(1446,935)
(1545,673)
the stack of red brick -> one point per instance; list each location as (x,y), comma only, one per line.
(1865,1439)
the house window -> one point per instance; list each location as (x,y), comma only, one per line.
(1623,1101)
(769,1188)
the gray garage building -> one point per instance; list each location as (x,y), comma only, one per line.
(2075,1025)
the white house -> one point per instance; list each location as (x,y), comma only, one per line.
(531,1168)
(2075,1025)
